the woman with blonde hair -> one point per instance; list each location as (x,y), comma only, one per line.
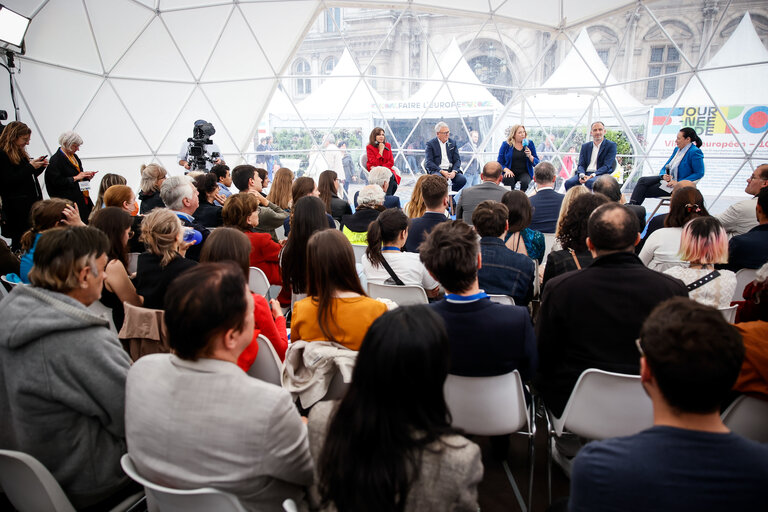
(152,178)
(416,207)
(163,236)
(517,156)
(19,188)
(280,191)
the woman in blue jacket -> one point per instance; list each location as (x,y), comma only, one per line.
(517,157)
(686,163)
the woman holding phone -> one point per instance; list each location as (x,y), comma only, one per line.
(517,157)
(379,154)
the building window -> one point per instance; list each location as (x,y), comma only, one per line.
(303,85)
(333,19)
(492,70)
(328,65)
(603,54)
(664,60)
(372,72)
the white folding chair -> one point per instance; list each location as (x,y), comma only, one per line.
(165,499)
(729,313)
(30,487)
(280,232)
(748,417)
(502,299)
(602,405)
(400,295)
(359,251)
(549,241)
(492,406)
(258,282)
(11,284)
(133,261)
(664,201)
(267,366)
(743,278)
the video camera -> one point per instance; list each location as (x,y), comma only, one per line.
(196,156)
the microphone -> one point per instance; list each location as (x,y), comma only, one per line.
(666,169)
(525,143)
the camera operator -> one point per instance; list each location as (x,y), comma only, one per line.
(199,152)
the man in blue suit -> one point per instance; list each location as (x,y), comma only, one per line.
(545,202)
(442,157)
(595,158)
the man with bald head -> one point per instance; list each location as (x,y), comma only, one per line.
(489,190)
(590,318)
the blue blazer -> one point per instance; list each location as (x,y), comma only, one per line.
(420,227)
(691,166)
(606,157)
(546,208)
(434,156)
(505,156)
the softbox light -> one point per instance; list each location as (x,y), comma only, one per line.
(13,26)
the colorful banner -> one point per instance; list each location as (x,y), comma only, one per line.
(709,121)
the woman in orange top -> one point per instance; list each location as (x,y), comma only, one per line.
(241,211)
(379,154)
(336,309)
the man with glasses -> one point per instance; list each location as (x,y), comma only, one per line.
(442,157)
(740,217)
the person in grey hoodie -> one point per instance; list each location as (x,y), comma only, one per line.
(63,372)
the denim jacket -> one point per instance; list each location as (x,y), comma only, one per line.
(505,272)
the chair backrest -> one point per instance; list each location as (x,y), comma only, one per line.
(605,404)
(729,313)
(748,417)
(549,241)
(133,261)
(267,366)
(280,232)
(359,251)
(364,161)
(29,486)
(487,406)
(400,295)
(258,282)
(12,284)
(502,299)
(743,278)
(166,499)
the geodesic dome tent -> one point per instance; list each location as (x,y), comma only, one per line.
(131,76)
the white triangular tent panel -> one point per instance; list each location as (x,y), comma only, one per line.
(24,7)
(166,62)
(56,22)
(116,24)
(153,105)
(238,104)
(237,55)
(181,4)
(128,167)
(197,50)
(107,129)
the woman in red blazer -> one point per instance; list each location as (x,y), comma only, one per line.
(380,155)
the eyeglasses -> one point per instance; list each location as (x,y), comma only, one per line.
(445,133)
(639,348)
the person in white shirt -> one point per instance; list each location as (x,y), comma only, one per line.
(740,217)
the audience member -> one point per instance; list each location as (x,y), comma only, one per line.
(194,419)
(229,244)
(486,338)
(65,177)
(152,178)
(280,191)
(241,211)
(740,217)
(703,243)
(180,195)
(118,287)
(545,202)
(689,362)
(434,191)
(616,292)
(302,187)
(164,260)
(416,207)
(596,158)
(488,190)
(380,176)
(62,371)
(610,188)
(307,216)
(569,197)
(371,204)
(207,213)
(223,181)
(384,263)
(753,327)
(755,295)
(657,221)
(389,445)
(336,307)
(107,181)
(250,179)
(503,272)
(328,186)
(750,250)
(574,255)
(520,238)
(662,249)
(442,157)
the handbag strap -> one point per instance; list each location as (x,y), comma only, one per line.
(391,272)
(575,259)
(704,280)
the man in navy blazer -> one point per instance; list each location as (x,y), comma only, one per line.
(442,157)
(434,191)
(592,165)
(545,202)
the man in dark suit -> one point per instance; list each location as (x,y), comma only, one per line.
(434,190)
(750,250)
(489,189)
(442,157)
(595,158)
(545,202)
(609,187)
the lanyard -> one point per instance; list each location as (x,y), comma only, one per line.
(465,298)
(390,248)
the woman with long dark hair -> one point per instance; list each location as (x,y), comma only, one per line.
(328,186)
(336,307)
(388,444)
(686,163)
(379,154)
(116,223)
(386,238)
(520,238)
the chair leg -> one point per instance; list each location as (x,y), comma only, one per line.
(532,461)
(516,490)
(549,459)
